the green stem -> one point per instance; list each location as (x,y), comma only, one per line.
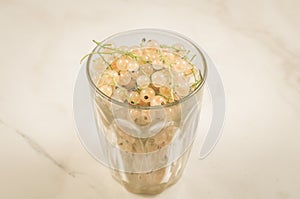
(108,64)
(192,58)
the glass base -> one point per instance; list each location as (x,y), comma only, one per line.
(154,182)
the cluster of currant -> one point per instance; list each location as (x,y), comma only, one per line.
(145,75)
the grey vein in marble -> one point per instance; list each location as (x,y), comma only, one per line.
(38,148)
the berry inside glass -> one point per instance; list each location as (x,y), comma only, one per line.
(147,89)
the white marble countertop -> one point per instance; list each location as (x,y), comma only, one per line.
(255,44)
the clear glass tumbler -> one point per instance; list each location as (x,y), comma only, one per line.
(147,148)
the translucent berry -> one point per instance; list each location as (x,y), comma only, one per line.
(170,57)
(113,74)
(181,65)
(140,117)
(99,65)
(147,94)
(137,51)
(122,63)
(161,139)
(109,77)
(145,58)
(106,89)
(120,94)
(158,100)
(131,85)
(132,66)
(160,78)
(157,65)
(135,74)
(143,81)
(182,90)
(105,80)
(125,78)
(147,69)
(154,56)
(152,43)
(134,98)
(165,91)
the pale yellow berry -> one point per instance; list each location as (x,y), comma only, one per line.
(137,52)
(105,79)
(122,63)
(147,94)
(157,64)
(124,78)
(158,101)
(140,117)
(143,81)
(165,91)
(152,43)
(170,57)
(113,74)
(99,65)
(182,90)
(132,66)
(119,94)
(134,98)
(180,65)
(106,89)
(160,78)
(147,69)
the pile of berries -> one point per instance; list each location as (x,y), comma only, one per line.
(145,75)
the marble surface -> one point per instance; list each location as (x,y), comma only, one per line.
(255,44)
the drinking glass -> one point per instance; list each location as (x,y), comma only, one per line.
(147,147)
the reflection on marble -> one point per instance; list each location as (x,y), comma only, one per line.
(255,44)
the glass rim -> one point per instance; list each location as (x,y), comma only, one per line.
(181,100)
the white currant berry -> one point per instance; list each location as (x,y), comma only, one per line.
(125,78)
(147,94)
(180,65)
(106,89)
(158,100)
(143,81)
(152,43)
(157,64)
(134,98)
(122,63)
(131,85)
(165,91)
(182,90)
(140,117)
(99,65)
(147,69)
(160,78)
(132,66)
(120,94)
